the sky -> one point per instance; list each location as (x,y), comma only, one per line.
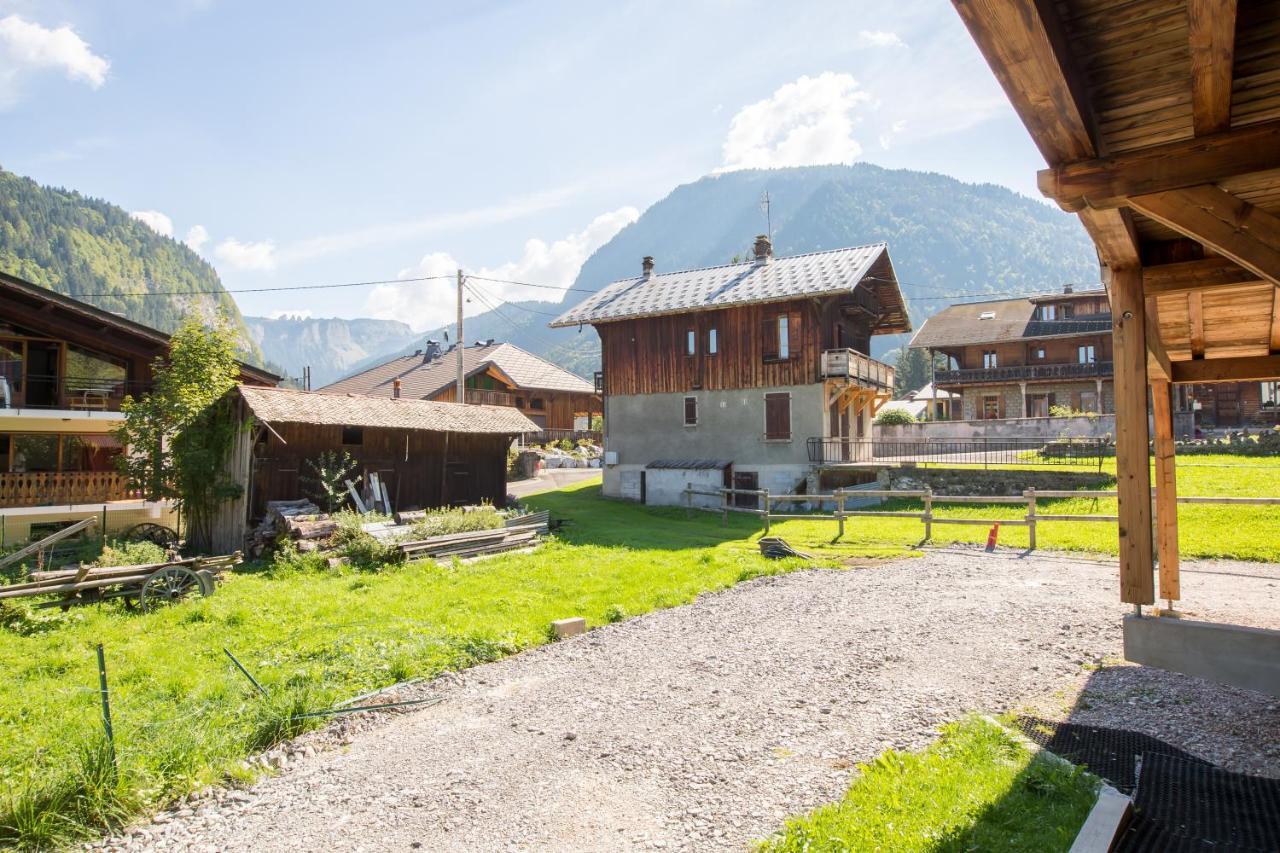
(295,143)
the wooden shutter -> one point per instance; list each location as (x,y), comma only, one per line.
(769,337)
(690,411)
(793,334)
(777,416)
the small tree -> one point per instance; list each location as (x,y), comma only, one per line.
(180,434)
(326,481)
(893,417)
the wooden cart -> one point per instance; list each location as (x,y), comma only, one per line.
(148,586)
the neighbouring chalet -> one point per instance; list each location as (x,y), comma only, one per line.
(745,374)
(1018,358)
(559,403)
(427,454)
(65,368)
(929,403)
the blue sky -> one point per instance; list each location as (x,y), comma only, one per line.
(298,143)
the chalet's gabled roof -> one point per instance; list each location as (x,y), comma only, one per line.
(815,274)
(421,379)
(998,321)
(289,406)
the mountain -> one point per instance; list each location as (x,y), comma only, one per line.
(332,347)
(95,251)
(945,237)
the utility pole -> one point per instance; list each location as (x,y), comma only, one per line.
(462,379)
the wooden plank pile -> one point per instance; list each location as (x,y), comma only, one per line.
(519,532)
(297,519)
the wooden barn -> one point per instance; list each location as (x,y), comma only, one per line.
(428,454)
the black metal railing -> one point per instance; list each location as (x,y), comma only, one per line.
(979,452)
(1018,372)
(84,393)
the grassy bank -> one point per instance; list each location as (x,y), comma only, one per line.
(974,789)
(184,718)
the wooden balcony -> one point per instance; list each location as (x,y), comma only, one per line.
(1023,373)
(49,488)
(857,368)
(480,397)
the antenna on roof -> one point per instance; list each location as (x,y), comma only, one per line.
(766,207)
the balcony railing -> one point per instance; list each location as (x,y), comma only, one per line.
(55,488)
(854,366)
(1021,372)
(68,392)
(962,452)
(481,397)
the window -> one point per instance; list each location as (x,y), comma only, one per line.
(1048,312)
(777,417)
(1089,401)
(353,436)
(690,411)
(519,402)
(990,407)
(1271,395)
(1037,353)
(713,345)
(1085,354)
(1066,311)
(34,453)
(989,359)
(691,342)
(987,315)
(537,404)
(777,334)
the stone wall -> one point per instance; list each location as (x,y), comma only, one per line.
(1046,428)
(967,481)
(1014,404)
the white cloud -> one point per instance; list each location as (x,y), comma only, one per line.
(155,220)
(246,256)
(27,47)
(431,304)
(879,38)
(886,137)
(197,236)
(807,122)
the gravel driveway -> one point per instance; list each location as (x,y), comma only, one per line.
(703,727)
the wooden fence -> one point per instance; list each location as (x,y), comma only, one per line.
(1030,517)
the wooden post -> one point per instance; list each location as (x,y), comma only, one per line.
(1133,472)
(1166,493)
(724,507)
(688,500)
(764,496)
(840,512)
(1030,495)
(928,513)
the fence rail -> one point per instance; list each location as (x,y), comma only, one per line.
(765,502)
(986,452)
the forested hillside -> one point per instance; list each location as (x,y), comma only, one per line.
(94,251)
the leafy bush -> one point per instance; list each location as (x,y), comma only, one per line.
(615,613)
(118,552)
(564,444)
(326,479)
(894,417)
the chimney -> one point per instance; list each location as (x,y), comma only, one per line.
(431,353)
(395,389)
(647,266)
(763,249)
(1066,288)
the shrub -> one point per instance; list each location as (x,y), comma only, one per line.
(118,552)
(614,613)
(564,444)
(326,479)
(457,520)
(893,417)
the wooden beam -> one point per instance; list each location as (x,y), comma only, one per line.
(1195,323)
(1212,24)
(1228,225)
(1186,276)
(1166,491)
(1114,235)
(1275,321)
(1133,474)
(1157,357)
(1106,182)
(1258,368)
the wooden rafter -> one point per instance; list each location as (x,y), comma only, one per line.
(1186,276)
(1259,368)
(1212,25)
(1157,357)
(1106,182)
(1195,323)
(1228,225)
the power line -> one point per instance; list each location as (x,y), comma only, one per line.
(531,284)
(269,289)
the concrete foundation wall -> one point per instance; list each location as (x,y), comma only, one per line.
(1228,654)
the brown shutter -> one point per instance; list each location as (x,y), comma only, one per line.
(769,337)
(793,334)
(777,416)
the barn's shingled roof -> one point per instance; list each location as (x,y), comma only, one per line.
(286,405)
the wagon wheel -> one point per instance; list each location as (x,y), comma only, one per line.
(149,531)
(169,586)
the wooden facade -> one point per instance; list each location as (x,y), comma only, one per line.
(551,410)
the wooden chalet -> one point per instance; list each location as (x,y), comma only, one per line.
(427,454)
(559,403)
(1160,124)
(65,368)
(761,367)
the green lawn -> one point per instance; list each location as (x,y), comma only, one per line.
(976,788)
(183,717)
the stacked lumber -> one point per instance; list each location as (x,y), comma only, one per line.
(541,519)
(777,548)
(474,543)
(276,523)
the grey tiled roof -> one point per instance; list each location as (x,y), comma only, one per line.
(814,274)
(285,405)
(419,378)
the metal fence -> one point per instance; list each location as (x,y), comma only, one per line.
(980,452)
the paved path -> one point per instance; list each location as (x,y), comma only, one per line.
(554,478)
(702,727)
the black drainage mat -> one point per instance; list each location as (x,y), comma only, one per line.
(1190,806)
(1112,754)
